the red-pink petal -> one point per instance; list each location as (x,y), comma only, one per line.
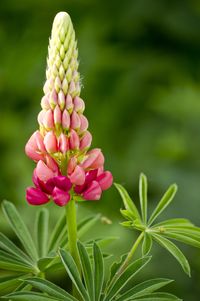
(105,180)
(60,197)
(35,196)
(93,192)
(63,183)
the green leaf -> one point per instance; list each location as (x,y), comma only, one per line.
(144,288)
(87,270)
(128,203)
(164,202)
(45,262)
(186,238)
(115,266)
(98,271)
(7,284)
(147,244)
(173,222)
(101,241)
(143,196)
(175,251)
(57,233)
(7,245)
(158,297)
(73,273)
(50,288)
(127,275)
(29,296)
(41,230)
(19,228)
(87,224)
(12,263)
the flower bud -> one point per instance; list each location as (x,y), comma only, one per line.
(50,142)
(63,143)
(65,86)
(79,105)
(61,100)
(86,141)
(53,99)
(84,123)
(71,165)
(57,115)
(75,121)
(40,117)
(48,119)
(65,120)
(78,176)
(45,103)
(74,141)
(69,103)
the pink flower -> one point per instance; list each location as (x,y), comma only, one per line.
(65,165)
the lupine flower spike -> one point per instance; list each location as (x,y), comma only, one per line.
(65,165)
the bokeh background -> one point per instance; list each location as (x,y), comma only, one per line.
(140,66)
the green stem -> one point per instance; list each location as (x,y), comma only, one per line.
(128,258)
(72,234)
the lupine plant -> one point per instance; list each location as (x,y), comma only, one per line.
(68,172)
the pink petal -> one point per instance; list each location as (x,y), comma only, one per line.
(93,192)
(95,159)
(78,176)
(43,172)
(105,180)
(50,142)
(75,121)
(57,115)
(60,197)
(84,123)
(63,143)
(79,105)
(86,140)
(74,141)
(35,196)
(71,165)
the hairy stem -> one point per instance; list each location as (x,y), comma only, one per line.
(128,258)
(72,235)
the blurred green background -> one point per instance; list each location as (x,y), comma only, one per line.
(140,67)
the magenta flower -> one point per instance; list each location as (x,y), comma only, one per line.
(65,166)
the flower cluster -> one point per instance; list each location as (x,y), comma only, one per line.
(65,165)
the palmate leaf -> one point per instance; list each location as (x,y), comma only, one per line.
(143,196)
(164,202)
(178,229)
(29,296)
(144,288)
(128,203)
(87,269)
(73,273)
(7,284)
(128,274)
(41,231)
(93,288)
(19,228)
(98,271)
(158,297)
(175,251)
